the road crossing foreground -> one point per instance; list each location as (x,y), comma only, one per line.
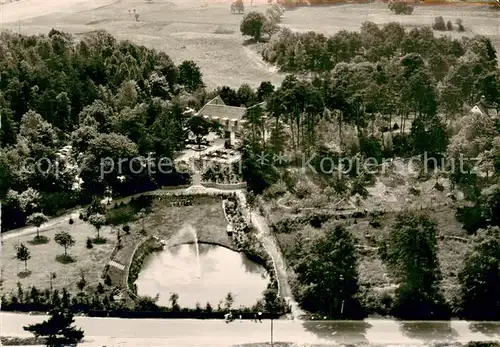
(191,332)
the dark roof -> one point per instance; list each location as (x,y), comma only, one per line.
(222,111)
(216,108)
(486,107)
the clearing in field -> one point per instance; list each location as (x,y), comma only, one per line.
(209,34)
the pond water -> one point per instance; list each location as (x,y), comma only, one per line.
(218,271)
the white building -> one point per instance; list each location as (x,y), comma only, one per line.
(485,107)
(230,117)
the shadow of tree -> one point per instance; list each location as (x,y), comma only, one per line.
(490,329)
(429,331)
(343,332)
(24,274)
(39,240)
(65,259)
(251,266)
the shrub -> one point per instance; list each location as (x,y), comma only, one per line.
(449,26)
(358,187)
(471,218)
(438,186)
(99,240)
(107,280)
(401,8)
(316,222)
(126,228)
(71,221)
(276,190)
(383,128)
(371,148)
(120,215)
(414,191)
(80,216)
(303,190)
(95,207)
(89,243)
(100,288)
(378,302)
(375,222)
(142,201)
(439,24)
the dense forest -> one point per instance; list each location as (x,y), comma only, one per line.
(104,98)
(391,92)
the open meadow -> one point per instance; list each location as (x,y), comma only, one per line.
(208,33)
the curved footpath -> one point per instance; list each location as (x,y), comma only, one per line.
(189,332)
(267,239)
(52,223)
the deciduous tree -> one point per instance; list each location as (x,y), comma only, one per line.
(65,240)
(328,273)
(480,277)
(252,25)
(97,220)
(190,75)
(412,255)
(23,254)
(37,219)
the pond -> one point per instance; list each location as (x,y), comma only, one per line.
(218,271)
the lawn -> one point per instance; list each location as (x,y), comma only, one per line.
(43,259)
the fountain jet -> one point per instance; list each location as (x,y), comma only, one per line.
(185,233)
(195,237)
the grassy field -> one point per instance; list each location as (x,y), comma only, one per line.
(207,33)
(477,20)
(43,262)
